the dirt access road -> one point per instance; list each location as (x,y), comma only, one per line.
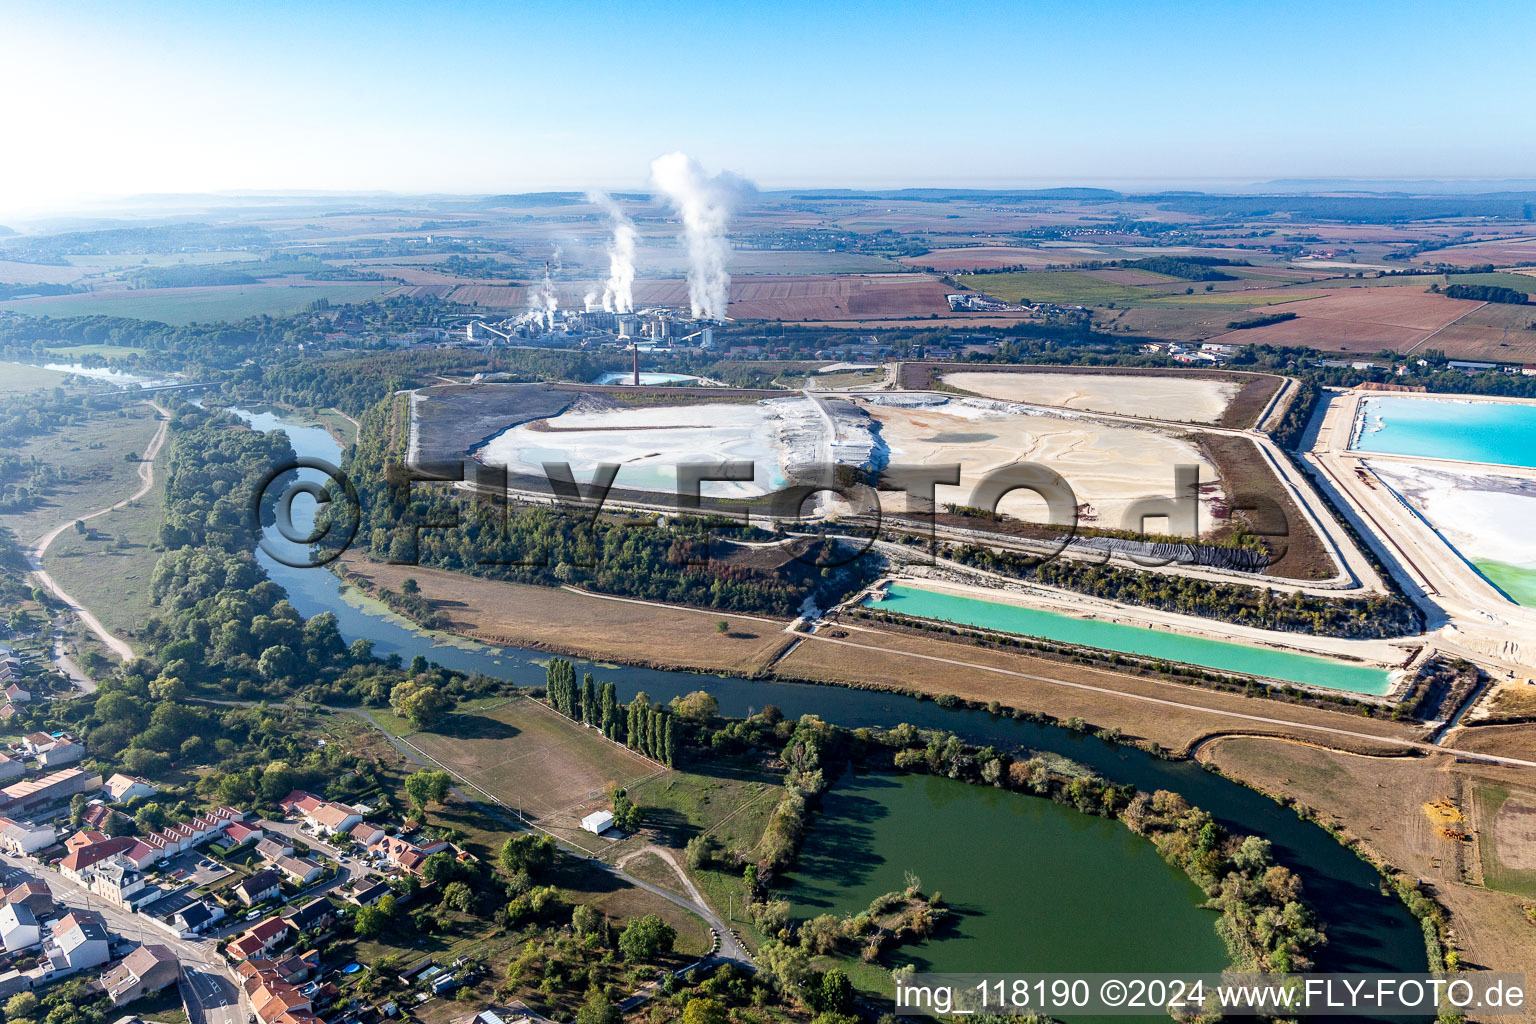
(147,477)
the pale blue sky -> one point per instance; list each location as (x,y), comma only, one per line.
(149,97)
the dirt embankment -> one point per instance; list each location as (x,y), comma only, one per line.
(585,625)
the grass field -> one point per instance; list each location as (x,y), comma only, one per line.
(94,452)
(529,757)
(16,378)
(1064,286)
(108,570)
(185,305)
(1236,300)
(71,353)
(730,799)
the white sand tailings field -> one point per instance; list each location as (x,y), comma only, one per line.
(1485,516)
(781,437)
(648,443)
(1187,399)
(1108,466)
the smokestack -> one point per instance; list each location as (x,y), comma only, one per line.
(705,204)
(635,348)
(618,292)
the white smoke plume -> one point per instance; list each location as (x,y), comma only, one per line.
(619,291)
(705,204)
(543,302)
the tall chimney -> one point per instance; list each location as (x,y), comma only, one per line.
(635,348)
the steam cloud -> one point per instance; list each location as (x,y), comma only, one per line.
(543,302)
(705,204)
(619,291)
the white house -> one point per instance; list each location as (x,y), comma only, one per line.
(122,787)
(79,942)
(22,838)
(18,927)
(598,822)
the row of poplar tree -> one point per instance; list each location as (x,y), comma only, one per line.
(640,725)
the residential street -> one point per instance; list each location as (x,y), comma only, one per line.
(208,986)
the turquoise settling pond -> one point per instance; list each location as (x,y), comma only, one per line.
(1032,885)
(1148,643)
(1499,432)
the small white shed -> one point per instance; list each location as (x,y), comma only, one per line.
(598,822)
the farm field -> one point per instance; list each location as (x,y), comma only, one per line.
(1500,251)
(1363,320)
(73,353)
(185,305)
(986,256)
(12,272)
(1239,299)
(1064,286)
(1190,399)
(1518,281)
(1506,826)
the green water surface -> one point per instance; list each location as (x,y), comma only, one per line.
(1035,886)
(1146,642)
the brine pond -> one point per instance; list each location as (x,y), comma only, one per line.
(1503,433)
(1150,643)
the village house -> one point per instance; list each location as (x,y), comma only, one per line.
(122,788)
(273,848)
(263,885)
(35,895)
(23,838)
(147,969)
(258,940)
(79,942)
(301,870)
(320,815)
(77,864)
(18,927)
(195,918)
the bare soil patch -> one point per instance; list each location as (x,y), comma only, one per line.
(1257,495)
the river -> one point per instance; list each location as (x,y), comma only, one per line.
(1368,930)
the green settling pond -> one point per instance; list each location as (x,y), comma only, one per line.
(1032,885)
(1148,643)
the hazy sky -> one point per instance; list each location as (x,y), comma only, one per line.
(126,97)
